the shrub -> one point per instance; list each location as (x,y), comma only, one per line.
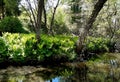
(11,24)
(31,50)
(97,45)
(50,48)
(23,48)
(16,43)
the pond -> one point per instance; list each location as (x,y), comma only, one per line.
(107,70)
(68,72)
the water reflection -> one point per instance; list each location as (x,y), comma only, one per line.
(70,72)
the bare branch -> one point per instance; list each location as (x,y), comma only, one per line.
(53,16)
(29,15)
(33,14)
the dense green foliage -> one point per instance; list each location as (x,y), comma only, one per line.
(50,47)
(60,23)
(11,24)
(22,48)
(2,46)
(98,45)
(11,7)
(15,44)
(3,50)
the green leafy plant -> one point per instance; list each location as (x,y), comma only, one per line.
(97,45)
(3,47)
(16,43)
(50,48)
(3,50)
(11,24)
(23,48)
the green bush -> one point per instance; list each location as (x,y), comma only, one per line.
(31,49)
(11,24)
(23,48)
(49,48)
(97,44)
(16,44)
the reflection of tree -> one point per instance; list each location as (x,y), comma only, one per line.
(33,78)
(7,76)
(72,73)
(79,75)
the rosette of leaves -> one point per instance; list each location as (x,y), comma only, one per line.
(2,45)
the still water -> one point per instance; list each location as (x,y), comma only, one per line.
(92,71)
(63,73)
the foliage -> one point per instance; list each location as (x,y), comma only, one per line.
(59,26)
(22,48)
(2,45)
(15,44)
(98,44)
(3,50)
(50,48)
(11,24)
(30,49)
(75,9)
(11,7)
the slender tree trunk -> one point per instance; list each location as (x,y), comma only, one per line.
(2,6)
(32,13)
(45,20)
(98,6)
(82,36)
(53,17)
(39,18)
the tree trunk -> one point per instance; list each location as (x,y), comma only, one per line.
(2,6)
(32,14)
(45,21)
(82,36)
(53,17)
(39,18)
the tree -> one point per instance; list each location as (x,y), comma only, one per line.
(39,18)
(2,4)
(45,20)
(35,15)
(53,17)
(9,7)
(82,36)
